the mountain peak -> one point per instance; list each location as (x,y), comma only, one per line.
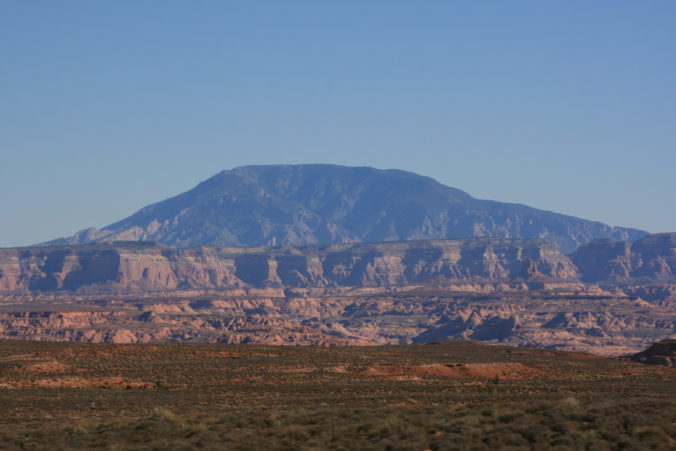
(312,203)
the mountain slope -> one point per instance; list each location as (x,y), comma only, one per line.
(295,204)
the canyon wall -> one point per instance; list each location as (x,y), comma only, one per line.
(650,259)
(141,266)
(521,292)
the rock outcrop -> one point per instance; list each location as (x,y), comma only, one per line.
(263,205)
(651,259)
(141,267)
(520,292)
(581,319)
(660,353)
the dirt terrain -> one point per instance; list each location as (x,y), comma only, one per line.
(445,395)
(139,267)
(572,319)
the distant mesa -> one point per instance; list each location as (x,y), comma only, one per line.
(644,269)
(128,266)
(301,204)
(649,259)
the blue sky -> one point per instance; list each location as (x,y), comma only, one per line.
(105,107)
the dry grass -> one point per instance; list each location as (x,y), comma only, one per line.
(443,396)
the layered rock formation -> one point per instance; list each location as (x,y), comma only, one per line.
(645,268)
(262,205)
(577,320)
(651,259)
(140,267)
(522,292)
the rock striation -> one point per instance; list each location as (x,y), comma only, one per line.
(141,266)
(519,292)
(651,259)
(300,204)
(575,320)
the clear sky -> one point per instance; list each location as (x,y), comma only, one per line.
(106,107)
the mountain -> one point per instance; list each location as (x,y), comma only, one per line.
(296,204)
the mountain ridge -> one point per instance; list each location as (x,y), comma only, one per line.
(296,204)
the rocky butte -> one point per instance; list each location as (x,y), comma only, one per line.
(661,353)
(499,290)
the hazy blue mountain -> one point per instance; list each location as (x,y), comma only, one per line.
(294,204)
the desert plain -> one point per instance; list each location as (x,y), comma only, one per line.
(442,395)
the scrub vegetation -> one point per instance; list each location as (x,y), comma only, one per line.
(447,395)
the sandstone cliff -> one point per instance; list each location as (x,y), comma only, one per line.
(521,292)
(140,266)
(651,259)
